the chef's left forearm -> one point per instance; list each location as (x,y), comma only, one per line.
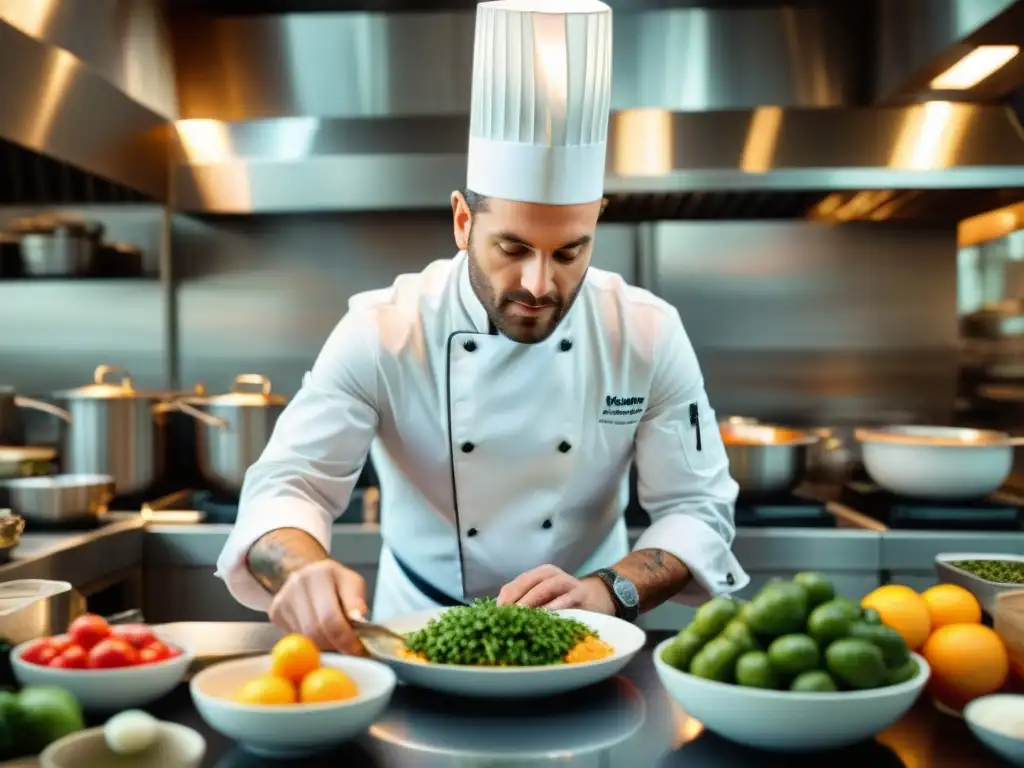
(658,575)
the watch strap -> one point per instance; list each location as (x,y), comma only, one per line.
(623,610)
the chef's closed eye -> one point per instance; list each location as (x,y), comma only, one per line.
(513,249)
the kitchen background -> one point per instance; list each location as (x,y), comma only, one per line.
(841,230)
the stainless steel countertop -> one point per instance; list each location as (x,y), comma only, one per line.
(627,722)
(81,556)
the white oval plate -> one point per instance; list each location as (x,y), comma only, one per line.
(518,682)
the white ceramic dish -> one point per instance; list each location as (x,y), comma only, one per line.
(177,746)
(296,729)
(788,721)
(939,463)
(106,690)
(981,713)
(519,682)
(986,591)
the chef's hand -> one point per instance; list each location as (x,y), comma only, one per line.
(549,587)
(316,600)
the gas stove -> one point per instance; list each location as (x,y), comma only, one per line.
(994,513)
(787,510)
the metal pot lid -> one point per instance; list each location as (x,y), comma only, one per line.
(247,389)
(102,389)
(948,437)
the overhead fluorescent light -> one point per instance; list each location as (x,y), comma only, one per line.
(974,67)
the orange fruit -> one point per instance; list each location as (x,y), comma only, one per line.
(951,604)
(267,690)
(902,609)
(294,657)
(327,684)
(967,661)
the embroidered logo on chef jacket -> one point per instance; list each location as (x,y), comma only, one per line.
(622,410)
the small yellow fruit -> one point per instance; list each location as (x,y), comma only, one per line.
(327,684)
(902,609)
(267,690)
(951,604)
(294,657)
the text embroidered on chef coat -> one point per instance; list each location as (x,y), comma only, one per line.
(622,407)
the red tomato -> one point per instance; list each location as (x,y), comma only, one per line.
(112,654)
(46,656)
(33,653)
(73,657)
(59,643)
(88,630)
(136,635)
(158,650)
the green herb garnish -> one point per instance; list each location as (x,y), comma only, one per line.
(998,571)
(487,634)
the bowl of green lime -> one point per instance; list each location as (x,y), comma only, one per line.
(795,669)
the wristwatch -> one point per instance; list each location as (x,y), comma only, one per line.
(623,591)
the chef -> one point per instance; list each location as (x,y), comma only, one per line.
(504,394)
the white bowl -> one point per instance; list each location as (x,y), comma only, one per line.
(790,721)
(294,729)
(106,690)
(519,682)
(938,463)
(984,710)
(177,746)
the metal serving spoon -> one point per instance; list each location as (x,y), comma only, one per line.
(376,638)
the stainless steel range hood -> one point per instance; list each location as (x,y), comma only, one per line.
(657,160)
(86,89)
(363,111)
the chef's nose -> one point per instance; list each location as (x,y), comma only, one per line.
(537,278)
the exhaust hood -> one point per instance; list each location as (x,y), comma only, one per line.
(87,92)
(365,111)
(765,162)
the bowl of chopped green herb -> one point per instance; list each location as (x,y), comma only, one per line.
(488,650)
(986,575)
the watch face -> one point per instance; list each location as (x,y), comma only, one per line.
(627,593)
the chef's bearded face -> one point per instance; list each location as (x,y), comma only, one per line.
(526,261)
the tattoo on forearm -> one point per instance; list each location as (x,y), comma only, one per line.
(657,574)
(276,555)
(653,560)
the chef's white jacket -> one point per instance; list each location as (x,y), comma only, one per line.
(495,457)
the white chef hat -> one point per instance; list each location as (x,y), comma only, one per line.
(542,77)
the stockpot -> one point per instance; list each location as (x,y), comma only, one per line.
(233,429)
(115,430)
(12,426)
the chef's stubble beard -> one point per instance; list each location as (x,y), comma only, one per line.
(485,292)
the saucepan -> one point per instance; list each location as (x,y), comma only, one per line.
(939,463)
(233,428)
(58,498)
(765,460)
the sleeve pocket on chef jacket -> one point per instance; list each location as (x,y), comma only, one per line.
(701,439)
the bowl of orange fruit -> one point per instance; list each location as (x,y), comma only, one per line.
(294,701)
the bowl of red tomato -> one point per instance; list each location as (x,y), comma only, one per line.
(106,667)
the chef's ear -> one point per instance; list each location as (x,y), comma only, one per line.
(462,220)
